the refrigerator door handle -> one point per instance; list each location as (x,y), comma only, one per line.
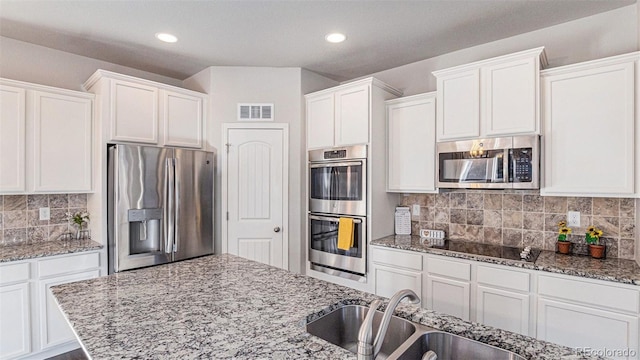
(176,213)
(169,219)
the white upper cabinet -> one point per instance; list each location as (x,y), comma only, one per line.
(352,116)
(493,97)
(589,125)
(411,125)
(342,115)
(134,112)
(459,105)
(141,111)
(182,119)
(62,142)
(12,139)
(46,139)
(320,127)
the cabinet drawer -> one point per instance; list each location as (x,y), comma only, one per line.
(403,259)
(68,264)
(14,273)
(452,269)
(505,278)
(600,295)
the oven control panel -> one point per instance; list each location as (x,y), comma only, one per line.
(335,154)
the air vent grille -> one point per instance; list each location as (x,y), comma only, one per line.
(255,112)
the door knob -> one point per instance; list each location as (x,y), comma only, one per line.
(276,229)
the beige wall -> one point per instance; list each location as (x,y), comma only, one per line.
(41,65)
(611,33)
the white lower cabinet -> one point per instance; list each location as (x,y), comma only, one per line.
(15,312)
(54,329)
(31,323)
(395,270)
(448,287)
(600,317)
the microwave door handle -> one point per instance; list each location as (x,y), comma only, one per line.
(505,166)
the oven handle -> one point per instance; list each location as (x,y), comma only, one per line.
(334,164)
(333,219)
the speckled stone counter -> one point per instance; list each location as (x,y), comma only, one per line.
(47,248)
(226,307)
(618,270)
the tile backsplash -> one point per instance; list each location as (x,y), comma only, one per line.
(19,217)
(521,218)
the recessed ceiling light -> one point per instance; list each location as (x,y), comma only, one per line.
(335,37)
(166,37)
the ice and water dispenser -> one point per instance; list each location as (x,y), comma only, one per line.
(145,235)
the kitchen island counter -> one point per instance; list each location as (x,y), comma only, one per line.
(226,307)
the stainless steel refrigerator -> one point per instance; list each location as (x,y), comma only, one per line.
(159,206)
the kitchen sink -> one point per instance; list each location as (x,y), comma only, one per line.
(450,347)
(341,327)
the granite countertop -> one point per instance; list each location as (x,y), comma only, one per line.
(226,307)
(47,248)
(617,270)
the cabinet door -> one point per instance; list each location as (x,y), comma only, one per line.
(15,329)
(585,327)
(54,328)
(352,116)
(589,131)
(12,139)
(134,112)
(182,119)
(458,111)
(503,309)
(320,127)
(388,280)
(62,142)
(448,296)
(411,146)
(510,98)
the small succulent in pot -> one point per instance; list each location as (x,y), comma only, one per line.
(79,218)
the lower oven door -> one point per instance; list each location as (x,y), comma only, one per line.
(323,244)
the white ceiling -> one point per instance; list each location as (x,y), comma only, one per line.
(380,34)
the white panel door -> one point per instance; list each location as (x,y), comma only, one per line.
(54,328)
(352,116)
(589,131)
(581,326)
(255,173)
(15,329)
(458,112)
(510,98)
(182,119)
(320,125)
(411,127)
(12,139)
(134,112)
(62,136)
(506,310)
(448,296)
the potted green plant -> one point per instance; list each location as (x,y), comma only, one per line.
(592,237)
(564,245)
(80,219)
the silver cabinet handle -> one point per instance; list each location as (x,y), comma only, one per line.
(276,229)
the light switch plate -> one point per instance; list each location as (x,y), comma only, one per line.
(415,210)
(45,214)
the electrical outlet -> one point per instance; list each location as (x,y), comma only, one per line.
(573,219)
(45,214)
(415,211)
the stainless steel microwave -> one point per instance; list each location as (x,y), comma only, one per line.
(492,163)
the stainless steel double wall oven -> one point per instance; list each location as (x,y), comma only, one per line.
(338,188)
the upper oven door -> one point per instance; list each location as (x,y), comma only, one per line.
(338,187)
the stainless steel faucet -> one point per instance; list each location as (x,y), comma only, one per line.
(368,349)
